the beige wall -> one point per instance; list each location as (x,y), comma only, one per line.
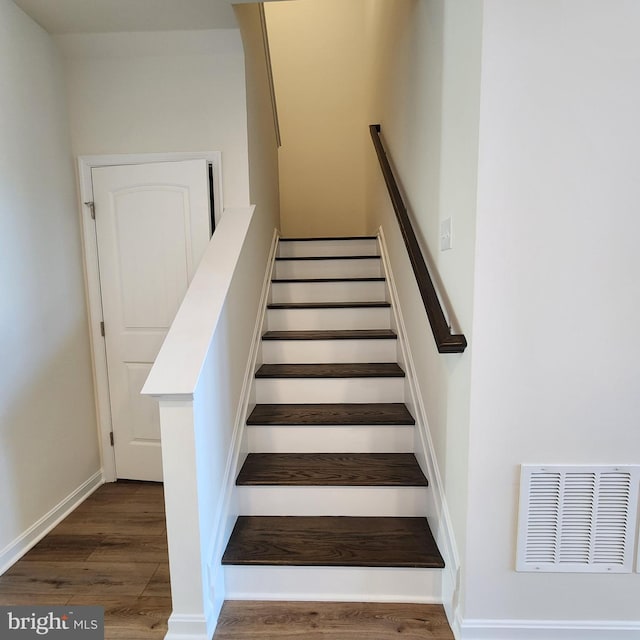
(414,67)
(160,91)
(261,128)
(48,438)
(426,98)
(319,58)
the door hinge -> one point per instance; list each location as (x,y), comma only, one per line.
(111,438)
(92,208)
(102,329)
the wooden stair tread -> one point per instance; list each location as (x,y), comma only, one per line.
(329,414)
(314,280)
(327,305)
(332,334)
(332,541)
(288,258)
(327,238)
(332,469)
(333,370)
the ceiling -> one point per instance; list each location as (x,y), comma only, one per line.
(101,16)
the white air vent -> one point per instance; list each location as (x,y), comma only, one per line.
(577,518)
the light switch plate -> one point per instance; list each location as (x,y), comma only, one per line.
(446,240)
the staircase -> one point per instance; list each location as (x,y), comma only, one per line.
(332,498)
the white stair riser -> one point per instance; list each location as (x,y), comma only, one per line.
(315,319)
(354,247)
(302,390)
(367,268)
(331,439)
(356,291)
(332,501)
(338,584)
(321,351)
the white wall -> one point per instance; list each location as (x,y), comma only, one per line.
(318,50)
(555,355)
(426,98)
(160,91)
(48,440)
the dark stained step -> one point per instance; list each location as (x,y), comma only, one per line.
(286,258)
(332,541)
(313,280)
(332,469)
(335,370)
(327,305)
(332,334)
(378,413)
(328,238)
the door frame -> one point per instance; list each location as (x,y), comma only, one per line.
(92,277)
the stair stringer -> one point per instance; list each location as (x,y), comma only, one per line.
(438,512)
(228,510)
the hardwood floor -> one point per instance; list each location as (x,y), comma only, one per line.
(332,334)
(343,279)
(330,257)
(111,551)
(328,305)
(339,370)
(331,414)
(331,621)
(332,541)
(332,469)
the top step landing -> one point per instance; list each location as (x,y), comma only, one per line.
(339,246)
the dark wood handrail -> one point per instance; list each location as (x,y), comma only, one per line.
(446,341)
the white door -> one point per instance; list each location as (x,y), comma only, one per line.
(152,225)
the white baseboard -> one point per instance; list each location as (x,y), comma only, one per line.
(189,627)
(29,538)
(226,513)
(438,515)
(472,629)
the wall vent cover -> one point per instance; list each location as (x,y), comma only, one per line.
(577,518)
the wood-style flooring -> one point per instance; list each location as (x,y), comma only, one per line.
(302,258)
(332,541)
(332,334)
(338,370)
(358,279)
(332,469)
(331,414)
(329,305)
(331,621)
(111,551)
